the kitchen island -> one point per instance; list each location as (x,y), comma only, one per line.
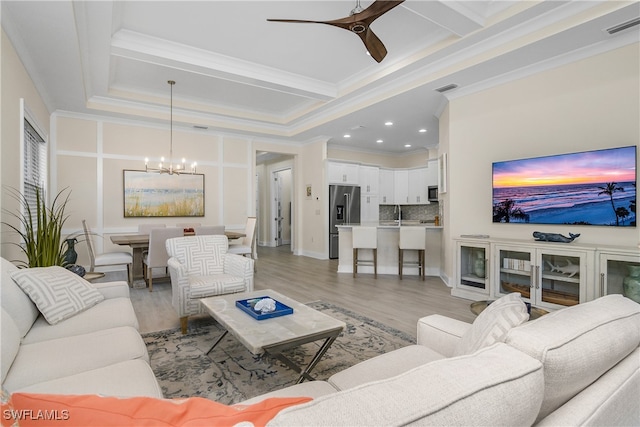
(388,239)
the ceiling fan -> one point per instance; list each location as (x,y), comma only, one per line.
(359,22)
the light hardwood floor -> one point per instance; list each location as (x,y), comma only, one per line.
(389,300)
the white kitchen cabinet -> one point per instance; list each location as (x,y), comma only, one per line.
(401,186)
(393,186)
(343,173)
(432,173)
(369,208)
(386,187)
(417,186)
(369,179)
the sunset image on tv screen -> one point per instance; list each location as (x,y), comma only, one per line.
(587,188)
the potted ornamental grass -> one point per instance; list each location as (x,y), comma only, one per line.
(40,229)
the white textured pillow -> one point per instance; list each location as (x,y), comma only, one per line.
(58,293)
(493,324)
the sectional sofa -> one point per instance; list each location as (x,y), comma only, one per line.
(575,366)
(95,349)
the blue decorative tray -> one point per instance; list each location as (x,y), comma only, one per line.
(246,305)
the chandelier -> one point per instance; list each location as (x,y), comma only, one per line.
(171,169)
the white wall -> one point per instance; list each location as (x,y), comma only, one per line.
(91,153)
(586,105)
(16,84)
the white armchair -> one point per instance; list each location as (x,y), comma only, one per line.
(200,267)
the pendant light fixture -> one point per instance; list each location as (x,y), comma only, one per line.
(171,169)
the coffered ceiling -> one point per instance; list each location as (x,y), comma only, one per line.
(237,73)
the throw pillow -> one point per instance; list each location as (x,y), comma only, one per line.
(493,324)
(86,410)
(57,292)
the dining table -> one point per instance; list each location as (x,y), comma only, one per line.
(140,242)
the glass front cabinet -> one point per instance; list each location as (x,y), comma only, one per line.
(618,273)
(546,277)
(472,270)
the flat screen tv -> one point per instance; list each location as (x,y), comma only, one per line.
(586,188)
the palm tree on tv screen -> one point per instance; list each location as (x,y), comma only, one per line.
(609,189)
(505,210)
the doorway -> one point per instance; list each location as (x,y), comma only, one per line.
(281,206)
(276,199)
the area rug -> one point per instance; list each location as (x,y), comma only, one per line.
(230,373)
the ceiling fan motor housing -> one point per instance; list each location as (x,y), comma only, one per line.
(358,27)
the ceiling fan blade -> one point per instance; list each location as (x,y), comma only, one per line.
(359,23)
(374,45)
(377,9)
(296,21)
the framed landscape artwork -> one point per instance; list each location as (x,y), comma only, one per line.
(162,195)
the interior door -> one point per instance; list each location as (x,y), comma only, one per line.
(278,201)
(282,207)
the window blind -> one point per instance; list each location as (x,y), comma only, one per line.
(35,164)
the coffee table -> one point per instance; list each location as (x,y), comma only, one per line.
(275,335)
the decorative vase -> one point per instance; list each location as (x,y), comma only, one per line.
(631,283)
(71,256)
(478,265)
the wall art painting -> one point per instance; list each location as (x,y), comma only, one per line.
(162,195)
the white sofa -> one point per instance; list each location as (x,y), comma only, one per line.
(575,366)
(97,350)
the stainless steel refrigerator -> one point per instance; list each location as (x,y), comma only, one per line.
(344,208)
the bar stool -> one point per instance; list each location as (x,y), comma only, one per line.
(365,238)
(412,238)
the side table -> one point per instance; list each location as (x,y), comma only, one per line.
(534,312)
(91,276)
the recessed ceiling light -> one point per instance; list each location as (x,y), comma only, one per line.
(388,123)
(346,135)
(407,145)
(422,131)
(379,141)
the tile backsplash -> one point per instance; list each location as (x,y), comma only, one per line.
(415,212)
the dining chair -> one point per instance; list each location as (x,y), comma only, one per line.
(107,258)
(145,228)
(209,230)
(186,225)
(246,245)
(156,256)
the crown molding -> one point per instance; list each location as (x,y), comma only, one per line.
(539,67)
(140,47)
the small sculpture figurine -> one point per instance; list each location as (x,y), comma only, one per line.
(571,269)
(265,305)
(554,237)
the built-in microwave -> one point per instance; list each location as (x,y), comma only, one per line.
(433,193)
